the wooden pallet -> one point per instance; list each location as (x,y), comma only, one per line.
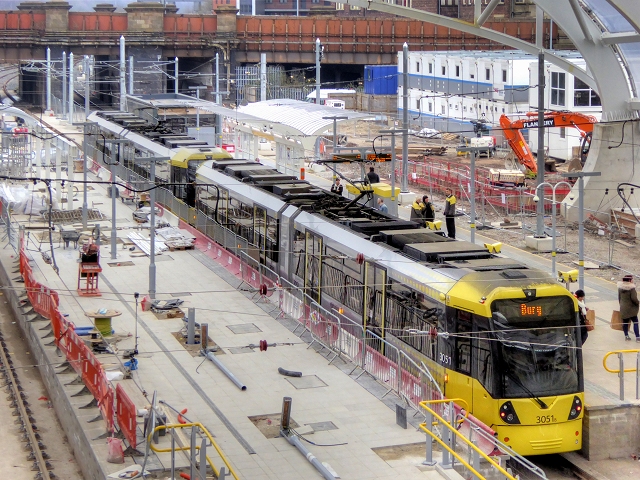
(173,246)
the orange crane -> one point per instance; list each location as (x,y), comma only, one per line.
(582,123)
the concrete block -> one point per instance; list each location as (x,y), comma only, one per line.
(539,244)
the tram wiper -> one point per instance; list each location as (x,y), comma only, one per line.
(521,385)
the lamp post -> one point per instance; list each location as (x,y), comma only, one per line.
(580,176)
(152,219)
(537,198)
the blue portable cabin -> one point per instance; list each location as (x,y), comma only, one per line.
(380,79)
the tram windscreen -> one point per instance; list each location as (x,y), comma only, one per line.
(537,346)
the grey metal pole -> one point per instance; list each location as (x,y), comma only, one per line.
(152,233)
(175,86)
(123,92)
(393,167)
(405,118)
(580,176)
(541,87)
(293,440)
(87,89)
(218,96)
(64,84)
(191,326)
(114,174)
(263,77)
(472,193)
(318,71)
(84,178)
(71,88)
(48,81)
(131,75)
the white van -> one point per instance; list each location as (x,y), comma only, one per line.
(325,92)
(335,103)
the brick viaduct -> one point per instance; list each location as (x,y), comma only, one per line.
(154,32)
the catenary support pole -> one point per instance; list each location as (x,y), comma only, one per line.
(472,194)
(541,84)
(263,77)
(84,178)
(71,88)
(64,84)
(318,47)
(175,85)
(87,88)
(123,96)
(48,80)
(152,231)
(405,118)
(130,74)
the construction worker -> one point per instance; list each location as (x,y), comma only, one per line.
(450,212)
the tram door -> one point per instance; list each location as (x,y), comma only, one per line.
(375,288)
(313,266)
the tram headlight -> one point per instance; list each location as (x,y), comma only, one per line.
(576,408)
(508,414)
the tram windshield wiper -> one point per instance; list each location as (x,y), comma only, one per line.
(522,385)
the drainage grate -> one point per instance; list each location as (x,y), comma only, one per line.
(243,328)
(307,381)
(121,264)
(181,294)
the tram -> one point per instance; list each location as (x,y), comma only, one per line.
(118,137)
(493,331)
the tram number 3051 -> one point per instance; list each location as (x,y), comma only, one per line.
(445,359)
(545,419)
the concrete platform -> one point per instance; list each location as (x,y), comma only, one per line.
(326,395)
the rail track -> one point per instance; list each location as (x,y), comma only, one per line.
(20,405)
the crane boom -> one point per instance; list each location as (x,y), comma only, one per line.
(582,123)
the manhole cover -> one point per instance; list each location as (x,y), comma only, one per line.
(415,451)
(322,426)
(269,424)
(243,328)
(121,264)
(241,350)
(307,381)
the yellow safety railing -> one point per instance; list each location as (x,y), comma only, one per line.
(618,352)
(206,433)
(621,370)
(423,426)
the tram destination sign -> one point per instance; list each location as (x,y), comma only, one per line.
(548,122)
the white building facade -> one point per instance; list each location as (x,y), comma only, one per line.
(448,90)
(563,92)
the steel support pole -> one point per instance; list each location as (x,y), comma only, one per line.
(393,167)
(472,193)
(48,81)
(87,89)
(130,74)
(84,178)
(318,71)
(191,326)
(263,77)
(64,84)
(175,86)
(218,96)
(405,118)
(123,95)
(152,232)
(541,87)
(71,88)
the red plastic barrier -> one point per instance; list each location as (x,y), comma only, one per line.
(107,407)
(91,373)
(75,350)
(126,416)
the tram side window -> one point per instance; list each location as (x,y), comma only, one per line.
(272,247)
(483,361)
(298,254)
(463,343)
(240,219)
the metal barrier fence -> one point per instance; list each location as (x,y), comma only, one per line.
(80,358)
(621,370)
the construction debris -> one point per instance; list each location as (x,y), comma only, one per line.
(144,244)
